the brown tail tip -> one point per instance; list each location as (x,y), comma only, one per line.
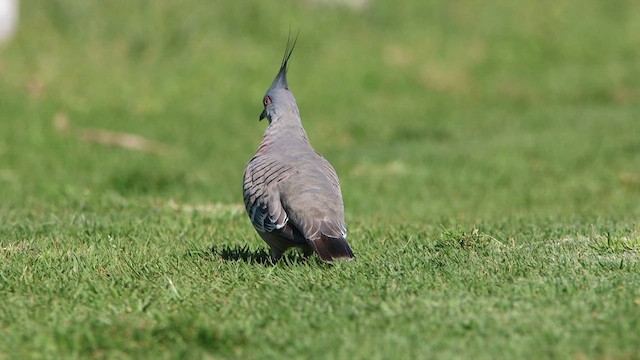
(330,248)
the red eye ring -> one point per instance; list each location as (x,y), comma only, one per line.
(267,100)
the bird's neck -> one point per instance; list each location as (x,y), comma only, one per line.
(284,133)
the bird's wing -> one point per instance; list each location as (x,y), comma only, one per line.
(316,210)
(314,227)
(330,172)
(261,194)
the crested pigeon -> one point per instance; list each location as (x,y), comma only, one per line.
(292,194)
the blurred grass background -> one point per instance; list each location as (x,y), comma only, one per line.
(465,109)
(523,116)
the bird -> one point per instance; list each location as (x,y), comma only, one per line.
(291,193)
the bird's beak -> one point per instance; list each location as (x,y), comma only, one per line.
(263,115)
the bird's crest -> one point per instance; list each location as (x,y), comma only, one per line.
(280,82)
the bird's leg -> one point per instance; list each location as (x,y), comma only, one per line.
(276,254)
(307,252)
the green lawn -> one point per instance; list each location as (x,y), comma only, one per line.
(489,154)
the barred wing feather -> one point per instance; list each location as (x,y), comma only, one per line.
(261,195)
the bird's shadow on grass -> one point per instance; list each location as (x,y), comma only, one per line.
(260,256)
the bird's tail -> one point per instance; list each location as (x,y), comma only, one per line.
(331,248)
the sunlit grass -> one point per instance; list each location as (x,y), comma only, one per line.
(488,155)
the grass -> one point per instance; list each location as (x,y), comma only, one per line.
(488,155)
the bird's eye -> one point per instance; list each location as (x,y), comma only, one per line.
(267,100)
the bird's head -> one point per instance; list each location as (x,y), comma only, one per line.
(279,100)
